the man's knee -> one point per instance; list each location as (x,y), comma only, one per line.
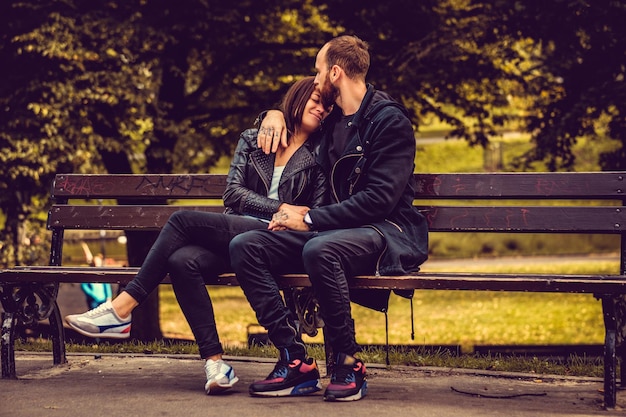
(316,252)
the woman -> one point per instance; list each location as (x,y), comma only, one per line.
(193,246)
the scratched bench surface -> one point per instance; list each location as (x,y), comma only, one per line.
(598,185)
(605,284)
(138,186)
(489,189)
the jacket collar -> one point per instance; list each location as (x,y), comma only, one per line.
(302,158)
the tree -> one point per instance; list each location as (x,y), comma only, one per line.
(580,64)
(556,69)
(137,86)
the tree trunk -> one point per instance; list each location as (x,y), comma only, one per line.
(146,324)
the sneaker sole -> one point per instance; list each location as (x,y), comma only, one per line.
(216,387)
(100,335)
(305,388)
(354,397)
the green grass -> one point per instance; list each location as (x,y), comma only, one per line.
(464,318)
(572,366)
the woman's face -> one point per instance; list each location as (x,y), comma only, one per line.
(314,112)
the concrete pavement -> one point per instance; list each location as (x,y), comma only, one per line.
(155,385)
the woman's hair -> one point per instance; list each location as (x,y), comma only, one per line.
(351,54)
(294,102)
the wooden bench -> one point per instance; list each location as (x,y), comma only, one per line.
(584,203)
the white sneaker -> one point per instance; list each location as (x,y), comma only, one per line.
(220,376)
(102,321)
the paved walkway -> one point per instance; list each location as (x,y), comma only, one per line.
(151,385)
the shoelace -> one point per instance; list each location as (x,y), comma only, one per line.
(280,370)
(100,309)
(212,368)
(343,374)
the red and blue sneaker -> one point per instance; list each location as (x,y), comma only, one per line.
(295,377)
(348,382)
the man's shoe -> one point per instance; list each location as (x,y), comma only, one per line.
(102,321)
(296,377)
(348,381)
(220,376)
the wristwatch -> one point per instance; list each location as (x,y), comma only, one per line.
(308,221)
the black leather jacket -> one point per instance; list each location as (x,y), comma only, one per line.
(372,183)
(302,183)
(372,186)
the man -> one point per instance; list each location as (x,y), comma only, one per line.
(368,151)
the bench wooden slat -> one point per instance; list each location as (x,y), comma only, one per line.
(552,219)
(518,185)
(138,186)
(497,282)
(602,284)
(116,217)
(592,219)
(600,185)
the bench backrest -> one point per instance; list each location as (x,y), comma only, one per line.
(590,202)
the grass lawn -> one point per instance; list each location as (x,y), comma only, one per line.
(464,318)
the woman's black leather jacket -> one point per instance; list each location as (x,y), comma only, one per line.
(302,183)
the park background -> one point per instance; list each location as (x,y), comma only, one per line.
(155,86)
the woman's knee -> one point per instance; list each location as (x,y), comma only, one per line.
(175,218)
(180,262)
(191,260)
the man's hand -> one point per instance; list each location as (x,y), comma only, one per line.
(273,131)
(289,217)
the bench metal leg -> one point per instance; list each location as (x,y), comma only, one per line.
(610,361)
(58,336)
(9,320)
(622,374)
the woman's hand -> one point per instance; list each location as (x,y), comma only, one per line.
(273,131)
(289,217)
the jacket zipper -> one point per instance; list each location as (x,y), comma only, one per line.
(396,225)
(380,257)
(287,174)
(300,190)
(332,176)
(261,175)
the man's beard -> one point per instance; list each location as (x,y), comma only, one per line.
(328,93)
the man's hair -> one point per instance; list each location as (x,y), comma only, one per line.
(295,100)
(351,54)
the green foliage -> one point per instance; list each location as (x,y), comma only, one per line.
(574,85)
(136,86)
(155,86)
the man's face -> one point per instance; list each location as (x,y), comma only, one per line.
(328,91)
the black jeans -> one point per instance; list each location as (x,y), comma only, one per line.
(330,258)
(192,247)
